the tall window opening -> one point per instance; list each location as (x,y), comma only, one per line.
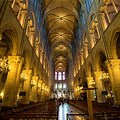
(59,75)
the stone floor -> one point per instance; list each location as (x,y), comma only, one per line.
(66,108)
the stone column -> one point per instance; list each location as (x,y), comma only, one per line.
(27,86)
(31,37)
(10,85)
(42,92)
(40,89)
(92,39)
(99,86)
(113,66)
(38,50)
(23,16)
(34,91)
(81,57)
(90,82)
(18,78)
(103,20)
(85,51)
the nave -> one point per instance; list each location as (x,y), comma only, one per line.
(54,110)
(50,110)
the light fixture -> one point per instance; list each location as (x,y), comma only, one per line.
(92,83)
(105,76)
(4,64)
(23,76)
(33,83)
(1,95)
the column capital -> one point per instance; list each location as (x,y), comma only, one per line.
(27,72)
(89,78)
(34,81)
(97,73)
(113,63)
(14,59)
(35,77)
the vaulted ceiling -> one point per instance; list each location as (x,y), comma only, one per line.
(60,19)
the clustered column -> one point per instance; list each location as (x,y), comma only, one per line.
(99,86)
(113,66)
(27,86)
(9,88)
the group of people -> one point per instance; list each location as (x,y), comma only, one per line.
(61,101)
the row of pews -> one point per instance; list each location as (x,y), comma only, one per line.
(101,111)
(35,111)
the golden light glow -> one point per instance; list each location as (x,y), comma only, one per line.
(1,94)
(4,64)
(105,76)
(23,76)
(33,82)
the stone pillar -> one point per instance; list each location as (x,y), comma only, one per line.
(31,37)
(92,39)
(38,50)
(27,86)
(39,94)
(113,66)
(99,86)
(103,20)
(23,16)
(18,78)
(81,57)
(10,85)
(85,51)
(90,82)
(42,92)
(34,91)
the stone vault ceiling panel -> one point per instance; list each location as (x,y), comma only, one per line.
(60,19)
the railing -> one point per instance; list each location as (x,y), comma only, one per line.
(97,116)
(73,116)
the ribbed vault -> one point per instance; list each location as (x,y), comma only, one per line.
(60,19)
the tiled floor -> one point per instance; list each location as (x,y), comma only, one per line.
(66,108)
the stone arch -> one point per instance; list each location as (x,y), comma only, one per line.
(115,45)
(98,55)
(12,36)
